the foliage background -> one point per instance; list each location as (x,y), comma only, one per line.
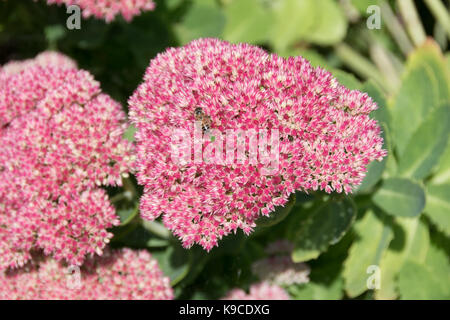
(398,219)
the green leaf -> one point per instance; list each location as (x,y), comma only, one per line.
(247,21)
(418,95)
(426,145)
(362,5)
(127,214)
(326,226)
(374,237)
(293,19)
(174,262)
(330,24)
(400,197)
(438,206)
(430,55)
(318,291)
(129,133)
(442,174)
(382,114)
(417,283)
(411,241)
(204,19)
(375,169)
(278,215)
(347,79)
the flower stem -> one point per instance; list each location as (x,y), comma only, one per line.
(156,228)
(359,64)
(440,12)
(395,28)
(412,21)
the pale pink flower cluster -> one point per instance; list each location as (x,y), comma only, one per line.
(60,138)
(122,274)
(326,135)
(44,59)
(259,291)
(109,9)
(279,268)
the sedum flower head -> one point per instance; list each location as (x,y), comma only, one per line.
(259,291)
(61,139)
(326,137)
(109,9)
(122,274)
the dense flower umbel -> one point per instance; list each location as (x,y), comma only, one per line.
(46,58)
(109,9)
(259,291)
(60,139)
(121,274)
(326,135)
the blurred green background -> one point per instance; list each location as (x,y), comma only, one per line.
(398,219)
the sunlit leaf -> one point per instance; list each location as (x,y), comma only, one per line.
(426,145)
(400,197)
(438,206)
(373,237)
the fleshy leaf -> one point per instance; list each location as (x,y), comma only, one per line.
(326,226)
(400,197)
(373,238)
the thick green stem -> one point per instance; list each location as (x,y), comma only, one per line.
(156,228)
(383,61)
(395,28)
(359,64)
(440,12)
(412,21)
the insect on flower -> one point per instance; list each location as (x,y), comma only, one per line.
(199,115)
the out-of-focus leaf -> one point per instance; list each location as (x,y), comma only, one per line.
(330,25)
(362,5)
(247,21)
(382,114)
(203,20)
(411,241)
(174,262)
(326,226)
(438,206)
(318,291)
(127,214)
(373,238)
(400,197)
(129,133)
(347,79)
(426,145)
(293,19)
(278,215)
(442,174)
(430,55)
(418,95)
(417,283)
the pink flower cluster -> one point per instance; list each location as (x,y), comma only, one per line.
(279,268)
(326,135)
(60,138)
(259,291)
(109,9)
(44,59)
(123,274)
